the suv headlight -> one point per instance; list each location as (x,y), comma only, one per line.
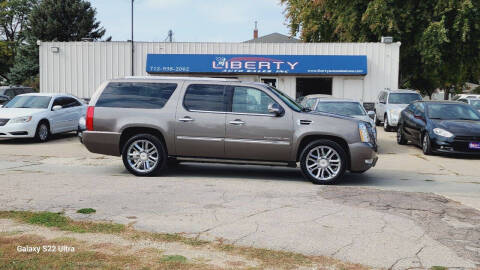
(442,132)
(364,136)
(19,120)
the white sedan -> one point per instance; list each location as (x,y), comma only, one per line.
(40,115)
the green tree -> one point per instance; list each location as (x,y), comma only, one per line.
(54,20)
(440,38)
(13,17)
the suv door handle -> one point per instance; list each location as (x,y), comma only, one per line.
(186,119)
(237,122)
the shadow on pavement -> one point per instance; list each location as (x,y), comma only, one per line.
(53,138)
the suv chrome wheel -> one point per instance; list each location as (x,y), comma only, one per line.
(142,156)
(323,163)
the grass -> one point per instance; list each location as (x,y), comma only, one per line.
(265,258)
(174,258)
(58,220)
(86,211)
(438,268)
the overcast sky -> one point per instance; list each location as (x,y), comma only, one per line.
(191,20)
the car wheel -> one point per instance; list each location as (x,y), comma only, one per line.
(386,126)
(400,136)
(144,155)
(323,162)
(426,145)
(377,122)
(43,132)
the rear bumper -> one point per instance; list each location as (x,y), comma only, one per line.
(363,157)
(105,143)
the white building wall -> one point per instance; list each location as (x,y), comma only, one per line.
(80,67)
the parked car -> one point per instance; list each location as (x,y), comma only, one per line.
(390,104)
(441,127)
(339,106)
(40,115)
(474,102)
(463,96)
(13,91)
(149,121)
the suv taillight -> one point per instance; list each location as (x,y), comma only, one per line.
(89,120)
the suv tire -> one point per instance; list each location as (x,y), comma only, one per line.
(386,126)
(323,162)
(377,122)
(144,155)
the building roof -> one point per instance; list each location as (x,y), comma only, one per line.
(274,38)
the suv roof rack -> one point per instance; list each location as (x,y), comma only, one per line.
(179,78)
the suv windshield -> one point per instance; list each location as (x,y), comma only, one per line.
(475,103)
(403,98)
(452,112)
(289,101)
(343,108)
(29,102)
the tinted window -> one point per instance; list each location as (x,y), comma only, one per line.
(250,100)
(70,102)
(136,95)
(31,102)
(419,109)
(205,97)
(10,93)
(342,108)
(59,101)
(285,98)
(475,103)
(403,98)
(452,112)
(310,103)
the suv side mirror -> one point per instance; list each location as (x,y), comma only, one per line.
(276,109)
(57,108)
(371,114)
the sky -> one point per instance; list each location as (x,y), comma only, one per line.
(191,20)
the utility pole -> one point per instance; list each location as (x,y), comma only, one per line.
(133,48)
(170,36)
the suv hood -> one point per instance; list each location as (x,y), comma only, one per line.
(332,115)
(397,106)
(459,127)
(10,113)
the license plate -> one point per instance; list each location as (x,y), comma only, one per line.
(474,145)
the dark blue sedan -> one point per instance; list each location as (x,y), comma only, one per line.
(441,127)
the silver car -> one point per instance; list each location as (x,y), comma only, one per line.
(390,104)
(340,106)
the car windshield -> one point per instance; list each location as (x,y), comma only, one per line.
(343,108)
(452,112)
(29,102)
(289,101)
(475,103)
(403,98)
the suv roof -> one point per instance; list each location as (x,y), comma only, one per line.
(178,78)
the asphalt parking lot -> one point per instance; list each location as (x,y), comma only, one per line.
(410,211)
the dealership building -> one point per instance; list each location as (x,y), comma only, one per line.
(344,70)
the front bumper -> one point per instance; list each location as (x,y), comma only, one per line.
(456,145)
(363,157)
(21,130)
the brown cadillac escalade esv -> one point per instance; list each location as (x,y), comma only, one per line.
(155,121)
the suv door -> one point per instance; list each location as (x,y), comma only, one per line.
(252,132)
(200,121)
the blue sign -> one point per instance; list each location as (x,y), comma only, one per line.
(258,64)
